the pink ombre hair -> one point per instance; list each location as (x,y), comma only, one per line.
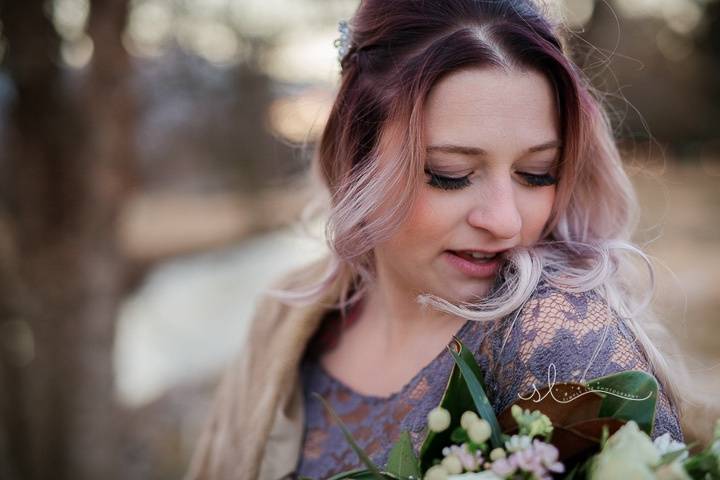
(371,159)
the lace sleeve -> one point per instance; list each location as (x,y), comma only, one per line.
(576,334)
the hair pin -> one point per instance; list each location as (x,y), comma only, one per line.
(343,43)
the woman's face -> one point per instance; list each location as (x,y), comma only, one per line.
(493,142)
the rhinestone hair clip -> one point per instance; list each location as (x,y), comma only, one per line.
(343,43)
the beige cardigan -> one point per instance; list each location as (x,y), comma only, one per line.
(254,431)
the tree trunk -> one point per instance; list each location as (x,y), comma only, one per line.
(68,163)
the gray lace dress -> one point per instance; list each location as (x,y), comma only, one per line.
(576,333)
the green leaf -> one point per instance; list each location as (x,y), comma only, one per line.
(361,474)
(459,436)
(642,389)
(474,380)
(456,399)
(375,473)
(402,460)
(571,475)
(702,466)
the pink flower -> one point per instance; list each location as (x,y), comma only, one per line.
(539,458)
(548,455)
(504,467)
(470,462)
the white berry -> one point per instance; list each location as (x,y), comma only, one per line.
(452,464)
(438,419)
(467,419)
(479,431)
(436,472)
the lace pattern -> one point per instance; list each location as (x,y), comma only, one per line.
(576,333)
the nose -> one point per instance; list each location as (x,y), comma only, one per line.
(496,210)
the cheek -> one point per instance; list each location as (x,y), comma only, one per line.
(427,223)
(535,211)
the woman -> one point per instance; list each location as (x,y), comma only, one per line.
(476,191)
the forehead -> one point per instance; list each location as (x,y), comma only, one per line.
(498,110)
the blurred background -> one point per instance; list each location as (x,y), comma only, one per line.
(153,168)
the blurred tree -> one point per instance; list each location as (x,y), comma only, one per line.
(657,80)
(709,46)
(67,165)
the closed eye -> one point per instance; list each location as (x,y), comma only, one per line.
(455,183)
(447,183)
(538,180)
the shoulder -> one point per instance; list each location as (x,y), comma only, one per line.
(559,322)
(559,335)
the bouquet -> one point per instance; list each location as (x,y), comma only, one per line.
(599,430)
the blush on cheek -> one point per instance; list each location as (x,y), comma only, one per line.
(536,214)
(413,237)
(426,222)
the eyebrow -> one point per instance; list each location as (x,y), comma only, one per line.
(479,152)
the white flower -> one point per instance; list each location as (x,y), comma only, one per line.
(497,453)
(548,456)
(619,468)
(438,419)
(436,472)
(538,459)
(665,444)
(452,464)
(672,471)
(467,419)
(532,424)
(630,440)
(504,467)
(485,475)
(479,431)
(470,461)
(628,453)
(517,443)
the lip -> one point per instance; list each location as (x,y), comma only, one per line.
(477,251)
(472,269)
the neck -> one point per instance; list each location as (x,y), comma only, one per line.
(400,324)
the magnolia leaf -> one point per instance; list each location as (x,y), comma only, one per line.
(563,403)
(474,380)
(630,395)
(372,468)
(402,460)
(573,410)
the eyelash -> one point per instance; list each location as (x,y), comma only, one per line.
(456,183)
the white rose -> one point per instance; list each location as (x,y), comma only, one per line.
(630,440)
(672,471)
(610,468)
(628,453)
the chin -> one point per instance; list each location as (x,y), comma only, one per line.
(466,292)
